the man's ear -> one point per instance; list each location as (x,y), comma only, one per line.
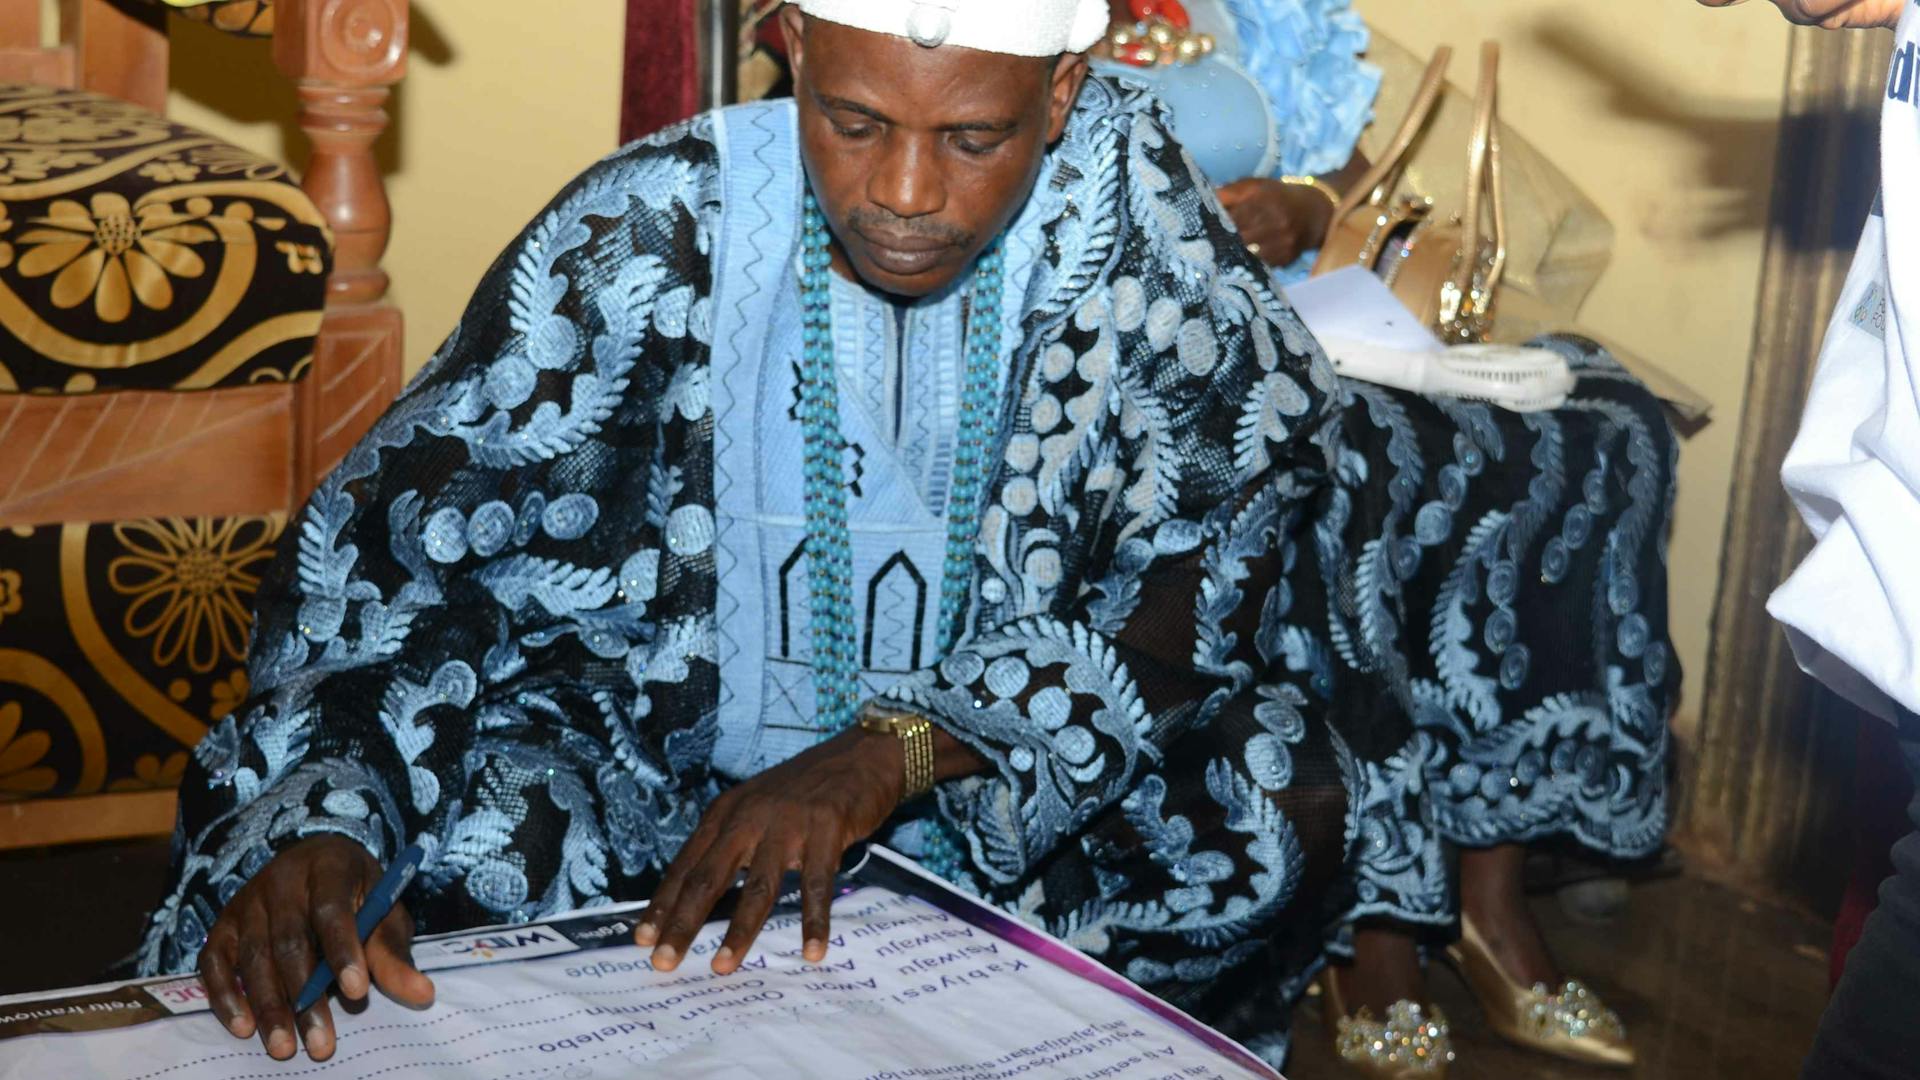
(793,27)
(1069,72)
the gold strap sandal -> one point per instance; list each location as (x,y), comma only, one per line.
(1570,1022)
(1413,1043)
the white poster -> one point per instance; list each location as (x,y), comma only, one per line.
(919,983)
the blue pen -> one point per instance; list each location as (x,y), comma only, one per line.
(380,900)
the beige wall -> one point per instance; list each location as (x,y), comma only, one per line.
(502,105)
(1665,114)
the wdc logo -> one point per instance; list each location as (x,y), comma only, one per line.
(524,942)
(485,947)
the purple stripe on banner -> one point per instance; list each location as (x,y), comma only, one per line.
(909,878)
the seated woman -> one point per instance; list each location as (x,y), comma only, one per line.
(1499,656)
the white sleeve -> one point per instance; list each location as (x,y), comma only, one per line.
(1852,608)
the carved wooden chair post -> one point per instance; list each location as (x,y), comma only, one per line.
(343,56)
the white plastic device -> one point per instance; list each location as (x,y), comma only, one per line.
(1515,377)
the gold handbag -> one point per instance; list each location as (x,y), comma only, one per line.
(1445,271)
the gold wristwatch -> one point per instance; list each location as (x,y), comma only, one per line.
(915,733)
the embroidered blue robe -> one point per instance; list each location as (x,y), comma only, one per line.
(506,629)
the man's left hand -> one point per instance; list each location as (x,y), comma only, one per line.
(801,815)
(1277,221)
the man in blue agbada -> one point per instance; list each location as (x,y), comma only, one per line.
(932,430)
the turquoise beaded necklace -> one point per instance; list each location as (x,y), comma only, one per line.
(836,666)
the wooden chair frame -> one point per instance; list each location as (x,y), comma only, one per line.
(342,57)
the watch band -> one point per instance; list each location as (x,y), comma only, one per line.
(915,733)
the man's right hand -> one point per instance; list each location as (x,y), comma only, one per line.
(269,939)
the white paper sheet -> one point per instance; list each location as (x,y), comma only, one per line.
(1351,304)
(910,990)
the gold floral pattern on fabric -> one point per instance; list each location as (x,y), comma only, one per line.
(301,258)
(125,645)
(48,132)
(225,160)
(112,254)
(228,693)
(81,121)
(11,601)
(151,773)
(18,165)
(20,754)
(191,581)
(170,170)
(146,254)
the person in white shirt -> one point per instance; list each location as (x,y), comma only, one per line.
(1852,608)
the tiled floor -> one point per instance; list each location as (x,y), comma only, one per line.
(1710,984)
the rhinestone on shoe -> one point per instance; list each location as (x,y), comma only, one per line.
(1573,1012)
(1408,1043)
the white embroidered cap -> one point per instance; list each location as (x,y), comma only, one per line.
(1016,27)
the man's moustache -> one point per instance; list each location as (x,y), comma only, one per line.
(870,223)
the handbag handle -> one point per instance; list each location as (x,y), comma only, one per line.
(1379,180)
(1483,168)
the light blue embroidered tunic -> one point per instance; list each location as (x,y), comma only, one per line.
(900,368)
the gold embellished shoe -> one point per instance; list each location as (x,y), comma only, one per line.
(1570,1022)
(1413,1043)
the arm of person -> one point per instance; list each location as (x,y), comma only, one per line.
(1308,60)
(446,587)
(801,815)
(1098,698)
(1281,221)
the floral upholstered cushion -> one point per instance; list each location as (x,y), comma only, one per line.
(136,253)
(119,644)
(250,18)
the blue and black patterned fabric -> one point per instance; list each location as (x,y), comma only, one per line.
(1499,640)
(1247,646)
(504,630)
(1499,635)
